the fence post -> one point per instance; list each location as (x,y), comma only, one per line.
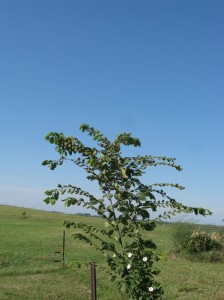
(93,281)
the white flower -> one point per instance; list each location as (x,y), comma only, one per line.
(129,266)
(129,254)
(151,289)
(145,258)
(114,255)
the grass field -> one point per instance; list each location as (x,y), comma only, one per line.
(28,242)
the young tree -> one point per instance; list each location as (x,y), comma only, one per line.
(125,205)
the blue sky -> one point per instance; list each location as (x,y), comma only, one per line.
(152,68)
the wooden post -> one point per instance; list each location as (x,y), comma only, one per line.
(93,281)
(63,250)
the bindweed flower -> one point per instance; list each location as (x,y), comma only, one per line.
(129,266)
(151,289)
(129,254)
(114,255)
(145,258)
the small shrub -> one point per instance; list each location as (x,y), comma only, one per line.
(200,241)
(221,233)
(125,203)
(24,215)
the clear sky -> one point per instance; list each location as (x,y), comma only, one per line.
(152,68)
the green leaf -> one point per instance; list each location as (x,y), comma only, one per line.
(106,224)
(45,162)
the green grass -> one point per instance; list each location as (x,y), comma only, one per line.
(27,269)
